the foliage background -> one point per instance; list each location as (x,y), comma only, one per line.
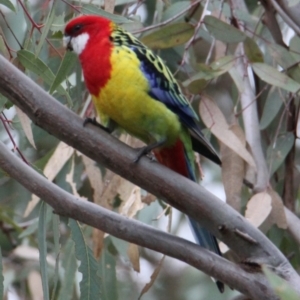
(205,55)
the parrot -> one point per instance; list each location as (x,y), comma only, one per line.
(133,88)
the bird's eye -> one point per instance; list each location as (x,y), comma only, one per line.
(77,28)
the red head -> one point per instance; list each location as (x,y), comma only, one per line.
(84,30)
(89,37)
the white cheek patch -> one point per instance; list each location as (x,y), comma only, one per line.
(79,42)
(66,40)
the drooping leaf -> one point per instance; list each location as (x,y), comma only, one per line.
(223,31)
(175,9)
(216,122)
(259,210)
(169,36)
(58,23)
(153,277)
(3,48)
(37,66)
(26,124)
(69,264)
(35,285)
(274,77)
(134,256)
(1,277)
(43,249)
(58,159)
(91,282)
(252,51)
(65,67)
(95,10)
(198,81)
(281,55)
(277,153)
(56,236)
(274,102)
(233,170)
(107,272)
(8,4)
(46,29)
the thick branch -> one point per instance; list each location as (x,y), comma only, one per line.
(176,190)
(65,204)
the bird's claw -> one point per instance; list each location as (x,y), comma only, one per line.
(94,122)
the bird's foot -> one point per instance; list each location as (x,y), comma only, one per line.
(94,122)
(147,149)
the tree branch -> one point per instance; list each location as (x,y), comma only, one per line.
(289,14)
(65,204)
(185,195)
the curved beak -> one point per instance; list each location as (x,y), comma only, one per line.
(67,42)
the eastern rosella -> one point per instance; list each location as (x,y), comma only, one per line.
(132,86)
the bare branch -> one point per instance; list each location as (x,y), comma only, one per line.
(289,14)
(185,195)
(65,204)
(249,110)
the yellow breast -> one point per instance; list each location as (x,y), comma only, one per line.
(125,100)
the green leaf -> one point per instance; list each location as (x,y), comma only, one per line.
(282,289)
(196,86)
(252,51)
(56,236)
(65,67)
(272,106)
(3,101)
(95,10)
(3,48)
(281,55)
(90,283)
(8,4)
(46,29)
(274,77)
(198,81)
(107,271)
(29,230)
(58,23)
(223,31)
(169,36)
(1,277)
(295,46)
(277,154)
(43,248)
(37,66)
(175,9)
(70,266)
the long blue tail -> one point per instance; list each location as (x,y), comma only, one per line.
(202,236)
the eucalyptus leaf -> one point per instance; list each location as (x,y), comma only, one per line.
(8,4)
(274,102)
(90,283)
(223,31)
(43,249)
(169,36)
(107,271)
(277,153)
(67,63)
(274,77)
